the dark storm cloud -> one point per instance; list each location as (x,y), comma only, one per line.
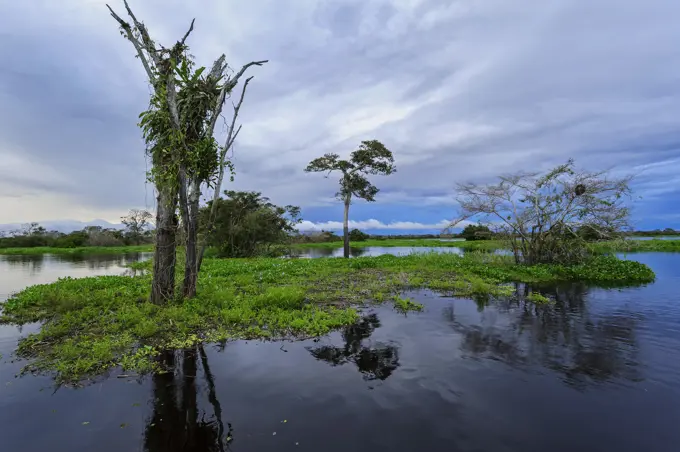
(458,90)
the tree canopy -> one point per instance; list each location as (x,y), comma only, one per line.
(372,157)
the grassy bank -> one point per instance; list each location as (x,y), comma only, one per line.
(81,250)
(94,324)
(633,246)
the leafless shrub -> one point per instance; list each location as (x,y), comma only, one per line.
(546,218)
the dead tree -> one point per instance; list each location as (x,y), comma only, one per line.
(544,217)
(178,128)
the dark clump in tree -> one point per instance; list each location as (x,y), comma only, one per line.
(246,224)
(372,157)
(543,216)
(356,235)
(476,232)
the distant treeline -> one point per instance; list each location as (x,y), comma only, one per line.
(33,235)
(469,233)
(356,235)
(412,236)
(270,229)
(655,232)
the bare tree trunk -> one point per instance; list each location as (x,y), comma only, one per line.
(212,397)
(163,283)
(191,261)
(189,397)
(231,137)
(345,229)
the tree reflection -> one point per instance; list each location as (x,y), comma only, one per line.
(32,262)
(175,424)
(35,262)
(356,252)
(563,336)
(375,361)
(322,252)
(106,261)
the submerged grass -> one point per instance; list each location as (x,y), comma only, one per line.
(80,250)
(406,304)
(93,324)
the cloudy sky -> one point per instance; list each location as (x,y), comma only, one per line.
(459,90)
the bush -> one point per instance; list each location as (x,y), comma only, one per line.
(356,235)
(321,237)
(476,232)
(105,237)
(246,224)
(72,240)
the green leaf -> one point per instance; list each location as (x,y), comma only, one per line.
(197,74)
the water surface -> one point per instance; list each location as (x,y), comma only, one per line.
(597,371)
(393,250)
(373,251)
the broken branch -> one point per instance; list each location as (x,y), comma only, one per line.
(231,83)
(191,28)
(138,45)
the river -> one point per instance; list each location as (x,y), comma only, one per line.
(597,371)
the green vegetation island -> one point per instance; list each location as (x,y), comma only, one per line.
(94,324)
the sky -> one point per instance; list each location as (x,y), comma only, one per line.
(459,91)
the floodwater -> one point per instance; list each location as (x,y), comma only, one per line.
(394,250)
(373,251)
(597,371)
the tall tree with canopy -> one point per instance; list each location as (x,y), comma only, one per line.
(178,127)
(372,157)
